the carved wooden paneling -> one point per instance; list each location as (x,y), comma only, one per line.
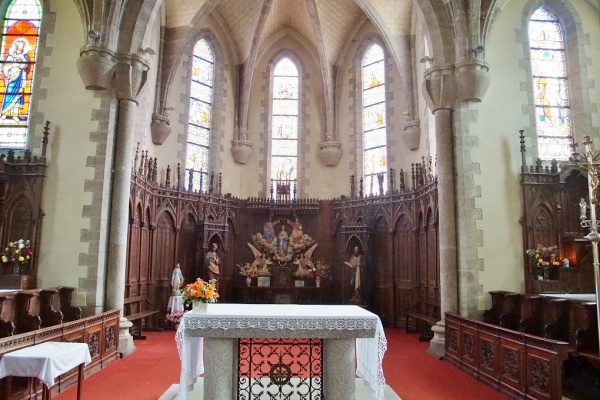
(96,331)
(164,243)
(518,364)
(400,253)
(405,257)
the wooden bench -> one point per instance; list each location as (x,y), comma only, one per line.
(138,309)
(424,316)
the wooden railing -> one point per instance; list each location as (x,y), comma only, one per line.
(515,363)
(100,332)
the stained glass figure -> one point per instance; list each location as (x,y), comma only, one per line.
(19,48)
(284,121)
(550,88)
(374,118)
(199,123)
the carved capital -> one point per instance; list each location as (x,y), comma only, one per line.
(130,76)
(96,66)
(160,128)
(330,153)
(472,79)
(439,88)
(412,134)
(241,150)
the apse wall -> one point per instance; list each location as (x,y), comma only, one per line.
(62,100)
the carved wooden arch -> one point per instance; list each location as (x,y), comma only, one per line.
(187,211)
(543,220)
(161,211)
(21,208)
(402,213)
(352,241)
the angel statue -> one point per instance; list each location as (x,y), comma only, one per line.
(260,262)
(304,262)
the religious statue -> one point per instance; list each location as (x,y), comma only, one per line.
(305,263)
(176,279)
(355,264)
(283,241)
(212,262)
(15,74)
(260,262)
(268,230)
(297,234)
(583,209)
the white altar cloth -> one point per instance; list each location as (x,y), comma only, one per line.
(259,321)
(45,361)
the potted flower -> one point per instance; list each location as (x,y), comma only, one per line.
(17,255)
(199,294)
(249,271)
(545,258)
(174,318)
(322,270)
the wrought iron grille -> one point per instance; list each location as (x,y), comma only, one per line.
(280,369)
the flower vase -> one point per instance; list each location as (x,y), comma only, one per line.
(546,273)
(318,281)
(248,281)
(199,307)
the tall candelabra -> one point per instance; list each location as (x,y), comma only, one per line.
(589,161)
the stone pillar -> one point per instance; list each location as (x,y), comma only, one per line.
(129,79)
(440,94)
(219,371)
(338,369)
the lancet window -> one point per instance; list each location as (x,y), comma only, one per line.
(374,119)
(199,126)
(284,137)
(550,86)
(20,36)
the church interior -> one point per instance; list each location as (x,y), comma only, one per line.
(429,161)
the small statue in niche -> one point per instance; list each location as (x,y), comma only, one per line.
(269,230)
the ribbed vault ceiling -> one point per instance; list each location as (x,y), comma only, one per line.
(326,23)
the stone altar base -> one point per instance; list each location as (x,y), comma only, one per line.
(362,392)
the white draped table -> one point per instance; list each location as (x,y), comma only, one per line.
(47,361)
(340,326)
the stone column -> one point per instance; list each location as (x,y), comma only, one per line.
(130,77)
(440,94)
(219,371)
(338,369)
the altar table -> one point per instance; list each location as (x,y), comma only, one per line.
(340,326)
(46,361)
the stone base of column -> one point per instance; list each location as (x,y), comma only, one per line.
(126,346)
(437,345)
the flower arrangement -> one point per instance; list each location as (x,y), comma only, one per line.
(200,291)
(174,318)
(18,252)
(248,270)
(322,269)
(544,256)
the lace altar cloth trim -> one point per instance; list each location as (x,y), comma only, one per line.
(273,324)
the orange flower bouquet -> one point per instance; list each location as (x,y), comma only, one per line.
(200,292)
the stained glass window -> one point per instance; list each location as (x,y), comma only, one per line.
(550,88)
(374,119)
(201,99)
(284,142)
(19,48)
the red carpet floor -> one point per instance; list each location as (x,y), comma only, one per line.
(409,370)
